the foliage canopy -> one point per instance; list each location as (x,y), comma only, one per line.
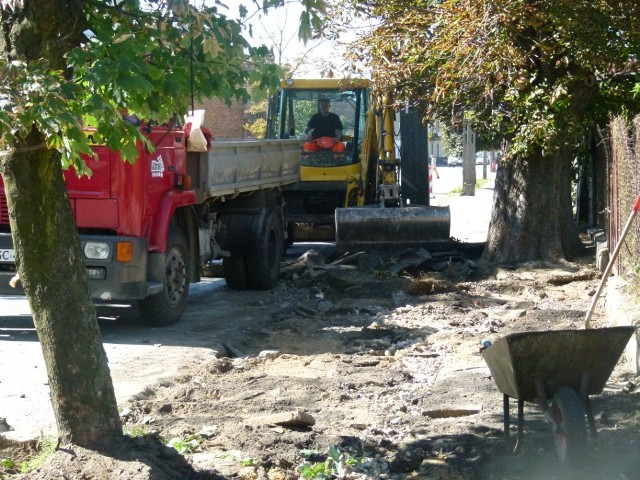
(537,72)
(151,58)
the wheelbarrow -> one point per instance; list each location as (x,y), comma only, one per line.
(563,367)
(557,370)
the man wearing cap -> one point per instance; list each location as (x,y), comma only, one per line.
(322,125)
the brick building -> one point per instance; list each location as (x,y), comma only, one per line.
(224,121)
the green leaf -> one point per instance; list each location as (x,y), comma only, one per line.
(211,47)
(305,32)
(308,453)
(334,453)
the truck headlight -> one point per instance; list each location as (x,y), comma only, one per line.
(97,250)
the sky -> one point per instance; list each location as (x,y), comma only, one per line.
(278,25)
(279,29)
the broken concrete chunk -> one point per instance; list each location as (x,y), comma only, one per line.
(312,259)
(270,354)
(452,412)
(409,258)
(290,419)
(305,310)
(341,280)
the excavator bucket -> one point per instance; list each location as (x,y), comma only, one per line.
(376,228)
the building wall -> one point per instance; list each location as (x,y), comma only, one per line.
(224,121)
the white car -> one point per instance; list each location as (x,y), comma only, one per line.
(454,161)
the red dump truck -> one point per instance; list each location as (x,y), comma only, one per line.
(148,228)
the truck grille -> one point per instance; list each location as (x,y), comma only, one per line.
(4,210)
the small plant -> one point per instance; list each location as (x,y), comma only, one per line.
(42,450)
(7,466)
(136,431)
(46,448)
(7,463)
(185,445)
(237,456)
(334,466)
(191,443)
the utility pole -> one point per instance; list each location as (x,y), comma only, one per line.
(468,160)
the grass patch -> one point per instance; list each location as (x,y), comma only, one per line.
(480,183)
(24,457)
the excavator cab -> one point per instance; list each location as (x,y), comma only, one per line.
(329,177)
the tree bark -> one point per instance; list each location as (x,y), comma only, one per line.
(55,283)
(49,258)
(532,216)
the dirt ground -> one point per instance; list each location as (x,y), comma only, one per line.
(366,368)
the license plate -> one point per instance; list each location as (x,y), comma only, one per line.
(7,255)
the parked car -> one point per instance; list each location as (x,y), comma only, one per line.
(454,161)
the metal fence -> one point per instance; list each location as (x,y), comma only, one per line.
(624,187)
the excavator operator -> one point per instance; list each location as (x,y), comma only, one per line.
(324,129)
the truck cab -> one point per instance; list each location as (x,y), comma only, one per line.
(122,212)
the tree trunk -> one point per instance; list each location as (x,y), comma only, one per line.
(532,215)
(55,283)
(46,242)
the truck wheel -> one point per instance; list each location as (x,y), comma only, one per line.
(235,272)
(569,426)
(263,266)
(166,307)
(291,228)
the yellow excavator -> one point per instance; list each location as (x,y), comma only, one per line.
(353,195)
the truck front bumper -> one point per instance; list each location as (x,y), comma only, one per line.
(108,279)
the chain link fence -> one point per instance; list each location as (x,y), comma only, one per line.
(624,187)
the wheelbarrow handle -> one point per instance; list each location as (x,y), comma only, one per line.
(607,271)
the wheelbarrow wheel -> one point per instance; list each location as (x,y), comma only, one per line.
(569,426)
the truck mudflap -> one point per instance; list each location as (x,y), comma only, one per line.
(109,279)
(376,228)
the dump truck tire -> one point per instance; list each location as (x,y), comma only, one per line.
(235,272)
(263,265)
(166,308)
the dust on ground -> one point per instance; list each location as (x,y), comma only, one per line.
(367,368)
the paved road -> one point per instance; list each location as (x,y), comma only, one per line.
(470,215)
(138,355)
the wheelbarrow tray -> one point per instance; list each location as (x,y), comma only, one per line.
(557,357)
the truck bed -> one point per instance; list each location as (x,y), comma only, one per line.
(239,166)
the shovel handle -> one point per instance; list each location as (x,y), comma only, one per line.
(607,271)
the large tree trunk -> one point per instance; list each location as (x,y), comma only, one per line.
(47,246)
(55,282)
(532,216)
